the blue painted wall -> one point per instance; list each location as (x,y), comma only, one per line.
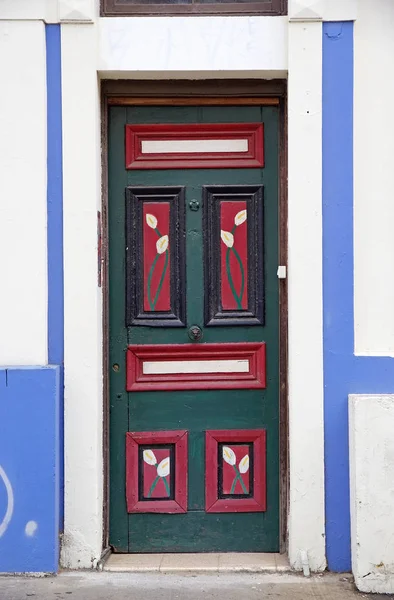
(29,469)
(344,373)
(55,221)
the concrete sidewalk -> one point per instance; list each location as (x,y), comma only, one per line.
(151,586)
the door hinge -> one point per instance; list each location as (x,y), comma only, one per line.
(282,272)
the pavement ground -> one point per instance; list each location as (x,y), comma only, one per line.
(93,585)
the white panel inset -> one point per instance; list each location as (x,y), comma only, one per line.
(175,367)
(168,146)
(371,452)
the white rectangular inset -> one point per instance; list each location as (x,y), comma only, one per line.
(371,448)
(180,146)
(175,367)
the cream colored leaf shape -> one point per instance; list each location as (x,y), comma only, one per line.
(240,217)
(162,244)
(151,220)
(149,457)
(244,464)
(229,455)
(163,468)
(227,238)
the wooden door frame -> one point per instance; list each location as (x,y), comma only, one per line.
(232,92)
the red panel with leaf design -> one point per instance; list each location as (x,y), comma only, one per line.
(156,471)
(235,470)
(234,255)
(156,256)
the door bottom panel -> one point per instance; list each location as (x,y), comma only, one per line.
(198,531)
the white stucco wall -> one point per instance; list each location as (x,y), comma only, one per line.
(83,401)
(194,48)
(373,181)
(306,436)
(23,203)
(371,448)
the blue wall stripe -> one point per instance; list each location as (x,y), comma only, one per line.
(337,281)
(55,219)
(344,373)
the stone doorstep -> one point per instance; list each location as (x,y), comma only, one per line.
(233,562)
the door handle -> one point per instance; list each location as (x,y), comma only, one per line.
(195,333)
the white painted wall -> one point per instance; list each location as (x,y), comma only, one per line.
(323,10)
(25,10)
(23,257)
(187,47)
(305,355)
(50,11)
(82,542)
(371,447)
(373,180)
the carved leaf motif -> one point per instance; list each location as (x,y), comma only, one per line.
(244,464)
(229,455)
(163,468)
(151,220)
(149,457)
(227,238)
(240,217)
(162,244)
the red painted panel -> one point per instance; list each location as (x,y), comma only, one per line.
(256,503)
(255,352)
(236,469)
(157,467)
(253,132)
(234,255)
(146,438)
(156,223)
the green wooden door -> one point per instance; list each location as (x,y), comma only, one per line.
(194,329)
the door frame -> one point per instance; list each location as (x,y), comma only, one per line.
(204,93)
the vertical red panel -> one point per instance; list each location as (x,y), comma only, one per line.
(235,469)
(234,255)
(156,465)
(156,256)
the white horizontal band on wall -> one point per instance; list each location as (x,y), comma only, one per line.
(163,367)
(168,146)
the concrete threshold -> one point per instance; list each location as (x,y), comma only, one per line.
(232,562)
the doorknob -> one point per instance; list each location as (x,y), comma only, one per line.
(195,333)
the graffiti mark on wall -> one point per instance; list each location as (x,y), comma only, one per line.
(31,528)
(10,502)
